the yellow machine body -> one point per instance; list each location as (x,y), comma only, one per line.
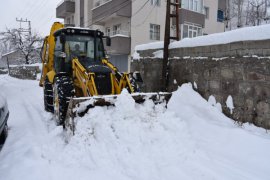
(83,79)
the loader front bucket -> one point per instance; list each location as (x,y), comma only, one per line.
(79,106)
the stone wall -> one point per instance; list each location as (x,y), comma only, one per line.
(246,77)
(3,71)
(24,72)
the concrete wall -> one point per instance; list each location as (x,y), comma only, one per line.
(24,72)
(3,71)
(65,8)
(246,79)
(140,23)
(211,24)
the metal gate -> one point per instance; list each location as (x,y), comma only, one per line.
(120,61)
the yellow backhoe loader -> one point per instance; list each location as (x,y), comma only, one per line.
(75,69)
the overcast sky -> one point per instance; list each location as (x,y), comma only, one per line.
(41,13)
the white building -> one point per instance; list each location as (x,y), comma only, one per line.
(133,22)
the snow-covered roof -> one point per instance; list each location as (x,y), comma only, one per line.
(119,35)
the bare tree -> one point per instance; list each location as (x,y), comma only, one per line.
(247,13)
(257,11)
(21,42)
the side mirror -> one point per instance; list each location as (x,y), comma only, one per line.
(62,39)
(108,41)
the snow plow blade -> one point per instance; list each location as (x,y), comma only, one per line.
(75,108)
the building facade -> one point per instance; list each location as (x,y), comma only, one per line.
(130,23)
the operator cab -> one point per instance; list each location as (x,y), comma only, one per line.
(84,44)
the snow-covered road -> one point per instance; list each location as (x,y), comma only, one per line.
(189,140)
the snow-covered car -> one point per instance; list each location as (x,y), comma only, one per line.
(4,114)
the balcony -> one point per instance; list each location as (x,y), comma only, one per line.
(191,17)
(120,44)
(65,8)
(114,8)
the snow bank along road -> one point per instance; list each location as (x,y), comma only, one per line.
(189,140)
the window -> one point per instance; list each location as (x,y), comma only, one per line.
(154,32)
(220,16)
(195,8)
(57,52)
(206,12)
(191,31)
(108,31)
(193,5)
(155,2)
(83,46)
(116,29)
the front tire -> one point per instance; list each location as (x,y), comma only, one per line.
(48,96)
(63,90)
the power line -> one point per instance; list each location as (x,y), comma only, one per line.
(140,8)
(150,12)
(123,7)
(33,8)
(21,29)
(128,2)
(25,10)
(37,8)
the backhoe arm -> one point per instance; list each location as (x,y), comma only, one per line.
(122,78)
(84,79)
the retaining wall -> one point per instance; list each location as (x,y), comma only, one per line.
(246,79)
(24,72)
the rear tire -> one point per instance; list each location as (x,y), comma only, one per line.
(48,96)
(63,90)
(4,135)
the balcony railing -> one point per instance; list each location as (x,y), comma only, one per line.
(115,8)
(64,8)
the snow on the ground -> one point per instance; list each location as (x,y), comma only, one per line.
(190,139)
(229,103)
(243,34)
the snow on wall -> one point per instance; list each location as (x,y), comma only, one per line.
(244,34)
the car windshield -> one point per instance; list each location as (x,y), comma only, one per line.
(84,46)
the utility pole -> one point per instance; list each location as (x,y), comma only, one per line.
(21,29)
(170,14)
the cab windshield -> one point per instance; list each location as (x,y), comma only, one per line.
(84,47)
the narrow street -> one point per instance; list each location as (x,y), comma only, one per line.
(121,142)
(28,131)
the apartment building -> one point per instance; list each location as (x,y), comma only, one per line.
(133,22)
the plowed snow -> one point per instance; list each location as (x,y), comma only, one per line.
(189,140)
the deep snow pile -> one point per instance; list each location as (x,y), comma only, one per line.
(189,140)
